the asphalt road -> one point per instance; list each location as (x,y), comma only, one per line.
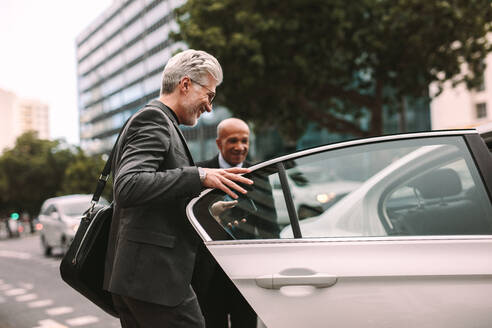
(33,295)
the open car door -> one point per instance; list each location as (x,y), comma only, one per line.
(383,232)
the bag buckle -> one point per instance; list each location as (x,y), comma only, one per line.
(104,177)
(93,205)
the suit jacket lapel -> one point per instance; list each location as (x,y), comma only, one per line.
(171,116)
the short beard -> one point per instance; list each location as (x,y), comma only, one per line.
(190,118)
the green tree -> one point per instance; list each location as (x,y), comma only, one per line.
(32,171)
(335,62)
(82,174)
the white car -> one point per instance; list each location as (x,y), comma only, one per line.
(60,219)
(312,191)
(409,246)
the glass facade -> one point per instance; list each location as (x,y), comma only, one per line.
(120,57)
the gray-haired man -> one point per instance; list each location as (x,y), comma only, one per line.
(152,247)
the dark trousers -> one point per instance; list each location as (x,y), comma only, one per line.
(224,302)
(139,314)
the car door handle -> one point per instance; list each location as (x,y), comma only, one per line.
(276,281)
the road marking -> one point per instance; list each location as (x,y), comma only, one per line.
(81,321)
(15,255)
(59,310)
(25,298)
(2,299)
(40,303)
(48,323)
(15,292)
(4,287)
(26,285)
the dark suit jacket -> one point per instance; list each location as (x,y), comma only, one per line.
(152,246)
(212,163)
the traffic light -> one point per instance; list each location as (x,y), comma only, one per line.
(14,216)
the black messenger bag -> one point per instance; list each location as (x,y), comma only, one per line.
(82,266)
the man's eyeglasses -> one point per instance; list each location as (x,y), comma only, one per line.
(210,93)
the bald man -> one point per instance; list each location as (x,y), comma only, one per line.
(233,143)
(219,299)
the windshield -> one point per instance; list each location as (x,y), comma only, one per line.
(77,207)
(74,207)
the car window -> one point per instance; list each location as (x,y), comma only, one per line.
(421,186)
(252,216)
(406,187)
(444,200)
(44,210)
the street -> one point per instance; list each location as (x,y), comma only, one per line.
(33,295)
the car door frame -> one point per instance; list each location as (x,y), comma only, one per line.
(241,247)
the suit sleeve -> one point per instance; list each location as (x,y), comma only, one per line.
(145,147)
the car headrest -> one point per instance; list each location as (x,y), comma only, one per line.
(438,183)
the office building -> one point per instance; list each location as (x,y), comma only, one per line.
(120,58)
(20,115)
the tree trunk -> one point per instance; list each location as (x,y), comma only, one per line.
(377,112)
(402,124)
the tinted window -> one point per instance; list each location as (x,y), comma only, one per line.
(252,216)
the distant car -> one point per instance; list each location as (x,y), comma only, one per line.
(408,245)
(313,190)
(60,219)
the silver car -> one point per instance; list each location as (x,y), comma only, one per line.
(60,218)
(408,245)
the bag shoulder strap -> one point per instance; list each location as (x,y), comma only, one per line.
(103,178)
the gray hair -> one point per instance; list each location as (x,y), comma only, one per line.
(192,63)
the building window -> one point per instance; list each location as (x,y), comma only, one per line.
(481,110)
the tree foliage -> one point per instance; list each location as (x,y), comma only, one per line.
(290,62)
(81,176)
(34,170)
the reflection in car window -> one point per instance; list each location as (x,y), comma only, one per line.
(251,216)
(406,187)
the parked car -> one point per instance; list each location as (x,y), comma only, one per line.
(60,219)
(408,246)
(313,191)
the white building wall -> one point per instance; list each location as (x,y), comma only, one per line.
(457,107)
(7,102)
(20,115)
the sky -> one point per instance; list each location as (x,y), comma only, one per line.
(37,55)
